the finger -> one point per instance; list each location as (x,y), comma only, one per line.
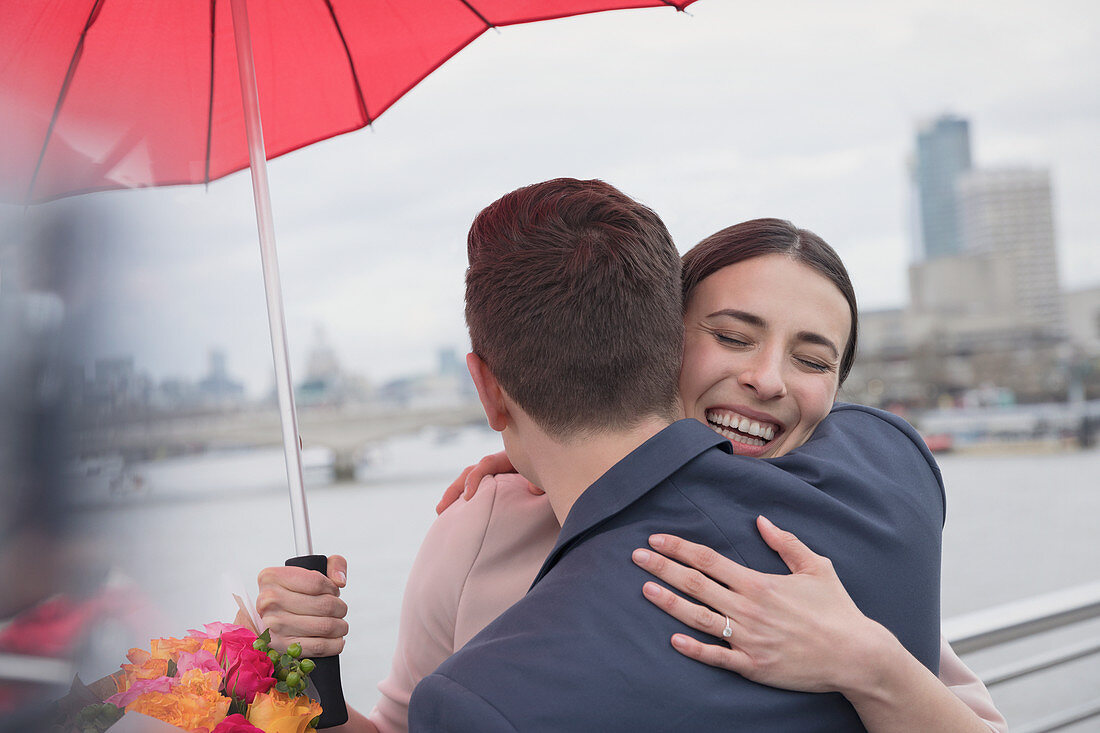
(312,647)
(315,648)
(297,580)
(702,558)
(691,614)
(276,601)
(690,581)
(286,626)
(716,655)
(450,496)
(338,570)
(794,553)
(488,466)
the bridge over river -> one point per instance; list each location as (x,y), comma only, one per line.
(345,430)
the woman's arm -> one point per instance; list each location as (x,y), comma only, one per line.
(477,559)
(800,632)
(467,482)
(296,606)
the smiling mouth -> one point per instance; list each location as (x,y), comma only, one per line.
(740,428)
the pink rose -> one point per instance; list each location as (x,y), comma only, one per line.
(139,688)
(253,672)
(214,630)
(201,660)
(236,723)
(234,641)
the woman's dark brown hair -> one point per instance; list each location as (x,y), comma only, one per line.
(760,237)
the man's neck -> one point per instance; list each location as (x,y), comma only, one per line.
(565,469)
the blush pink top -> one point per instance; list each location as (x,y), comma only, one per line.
(478,558)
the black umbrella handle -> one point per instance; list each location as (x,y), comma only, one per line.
(326,675)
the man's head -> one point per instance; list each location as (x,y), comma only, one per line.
(573,304)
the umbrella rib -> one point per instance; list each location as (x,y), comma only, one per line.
(210,104)
(478,14)
(351,65)
(77,52)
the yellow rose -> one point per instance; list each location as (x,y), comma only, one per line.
(193,704)
(277,712)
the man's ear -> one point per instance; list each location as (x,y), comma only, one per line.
(489,392)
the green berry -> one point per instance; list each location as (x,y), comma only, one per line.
(259,645)
(281,673)
(273,656)
(308,665)
(294,650)
(292,680)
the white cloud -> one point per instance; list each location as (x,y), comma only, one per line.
(802,110)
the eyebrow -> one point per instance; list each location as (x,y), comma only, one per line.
(752,319)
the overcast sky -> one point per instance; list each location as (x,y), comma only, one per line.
(802,110)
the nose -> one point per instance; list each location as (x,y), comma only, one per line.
(763,374)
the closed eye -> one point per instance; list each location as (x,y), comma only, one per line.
(729,340)
(814,365)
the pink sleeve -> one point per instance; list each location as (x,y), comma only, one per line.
(478,558)
(967,687)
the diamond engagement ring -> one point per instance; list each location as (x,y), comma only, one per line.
(727,632)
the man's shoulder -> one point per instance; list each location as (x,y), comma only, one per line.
(881,446)
(440,704)
(872,419)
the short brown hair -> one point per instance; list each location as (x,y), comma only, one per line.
(760,237)
(573,302)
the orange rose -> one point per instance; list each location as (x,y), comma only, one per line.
(150,669)
(170,648)
(277,712)
(194,703)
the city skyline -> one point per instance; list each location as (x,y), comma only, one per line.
(705,118)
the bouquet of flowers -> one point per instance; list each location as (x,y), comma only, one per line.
(223,679)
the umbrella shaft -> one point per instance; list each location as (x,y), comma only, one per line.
(303,543)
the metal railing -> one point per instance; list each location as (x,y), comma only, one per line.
(992,627)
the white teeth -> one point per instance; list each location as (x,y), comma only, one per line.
(737,437)
(743,424)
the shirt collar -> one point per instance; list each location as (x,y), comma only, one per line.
(628,480)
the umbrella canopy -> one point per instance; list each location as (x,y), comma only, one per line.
(103,94)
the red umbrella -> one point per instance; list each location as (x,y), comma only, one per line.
(104,94)
(101,94)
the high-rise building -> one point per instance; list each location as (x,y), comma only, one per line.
(217,387)
(942,156)
(985,311)
(1006,213)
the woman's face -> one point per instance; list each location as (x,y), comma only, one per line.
(763,341)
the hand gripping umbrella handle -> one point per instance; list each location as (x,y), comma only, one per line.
(326,675)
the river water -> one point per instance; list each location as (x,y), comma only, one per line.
(197,529)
